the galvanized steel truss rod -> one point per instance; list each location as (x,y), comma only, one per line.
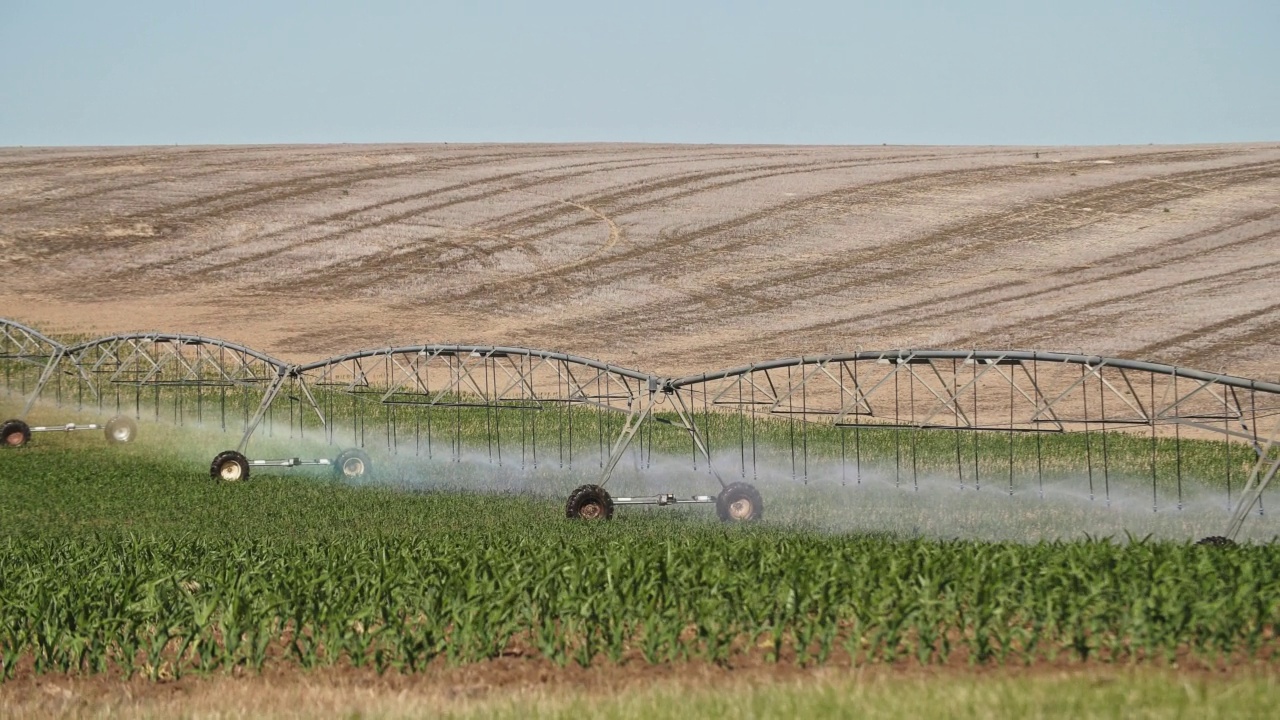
(1264,470)
(25,344)
(686,420)
(635,419)
(45,374)
(267,397)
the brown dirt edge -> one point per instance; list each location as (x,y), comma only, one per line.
(514,676)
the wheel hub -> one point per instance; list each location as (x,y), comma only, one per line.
(14,438)
(230,471)
(122,434)
(592,511)
(741,509)
(353,467)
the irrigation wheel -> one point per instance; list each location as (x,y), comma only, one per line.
(14,433)
(739,502)
(1216,541)
(121,429)
(589,502)
(229,466)
(352,463)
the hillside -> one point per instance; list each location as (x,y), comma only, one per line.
(664,258)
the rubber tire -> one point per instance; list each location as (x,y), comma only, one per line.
(1216,541)
(361,465)
(14,434)
(121,429)
(223,462)
(589,502)
(737,494)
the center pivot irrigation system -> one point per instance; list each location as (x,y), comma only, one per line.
(23,349)
(983,417)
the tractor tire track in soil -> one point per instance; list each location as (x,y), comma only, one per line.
(350,213)
(632,208)
(573,171)
(173,216)
(753,174)
(985,233)
(678,241)
(1074,320)
(807,167)
(1267,333)
(1053,324)
(97,187)
(654,253)
(816,167)
(845,199)
(403,262)
(208,207)
(988,297)
(217,205)
(344,215)
(263,194)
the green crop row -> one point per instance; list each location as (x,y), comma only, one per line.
(164,607)
(120,561)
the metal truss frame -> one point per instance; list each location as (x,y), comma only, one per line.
(28,346)
(488,376)
(970,390)
(170,359)
(159,360)
(1035,392)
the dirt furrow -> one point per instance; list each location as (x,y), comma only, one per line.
(259,195)
(411,260)
(611,201)
(990,296)
(841,201)
(579,170)
(173,170)
(81,159)
(983,235)
(398,263)
(1106,312)
(654,255)
(240,199)
(169,217)
(346,215)
(1027,223)
(628,263)
(1268,332)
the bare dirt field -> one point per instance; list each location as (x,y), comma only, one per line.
(669,259)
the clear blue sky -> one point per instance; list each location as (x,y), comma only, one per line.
(910,71)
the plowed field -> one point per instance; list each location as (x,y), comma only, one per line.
(665,258)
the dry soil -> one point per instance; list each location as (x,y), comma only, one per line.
(670,259)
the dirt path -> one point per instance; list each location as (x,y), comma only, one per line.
(513,687)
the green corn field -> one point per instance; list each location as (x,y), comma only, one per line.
(129,561)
